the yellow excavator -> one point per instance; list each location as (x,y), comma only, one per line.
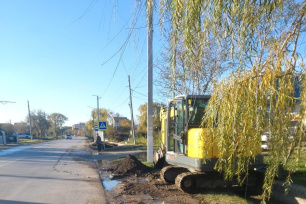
(182,147)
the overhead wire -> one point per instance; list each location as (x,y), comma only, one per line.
(121,103)
(155,58)
(100,22)
(144,99)
(139,93)
(121,50)
(117,13)
(139,61)
(91,5)
(122,47)
(126,40)
(118,96)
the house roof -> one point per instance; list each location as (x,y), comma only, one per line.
(117,119)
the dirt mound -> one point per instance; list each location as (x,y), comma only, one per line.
(131,165)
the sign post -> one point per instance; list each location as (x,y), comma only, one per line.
(96,132)
(103,126)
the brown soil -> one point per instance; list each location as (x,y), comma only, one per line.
(137,183)
(130,165)
(140,184)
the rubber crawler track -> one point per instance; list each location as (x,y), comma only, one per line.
(169,173)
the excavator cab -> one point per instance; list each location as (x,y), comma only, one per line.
(184,134)
(184,113)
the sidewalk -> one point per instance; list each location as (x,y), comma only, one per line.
(111,147)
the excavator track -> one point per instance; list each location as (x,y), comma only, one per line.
(192,182)
(255,179)
(169,173)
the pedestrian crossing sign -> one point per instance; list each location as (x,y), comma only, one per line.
(103,125)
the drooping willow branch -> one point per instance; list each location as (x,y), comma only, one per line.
(261,40)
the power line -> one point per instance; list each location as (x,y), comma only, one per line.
(143,99)
(127,39)
(120,49)
(155,58)
(138,92)
(121,103)
(119,94)
(157,24)
(115,36)
(86,11)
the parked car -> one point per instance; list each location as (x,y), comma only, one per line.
(11,139)
(25,136)
(68,137)
(264,141)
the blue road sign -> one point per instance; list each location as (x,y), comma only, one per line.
(103,125)
(96,128)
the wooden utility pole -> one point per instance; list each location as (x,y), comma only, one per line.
(98,117)
(131,109)
(30,121)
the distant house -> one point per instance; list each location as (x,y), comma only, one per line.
(78,126)
(116,122)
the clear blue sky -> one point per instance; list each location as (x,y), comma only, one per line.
(59,53)
(53,53)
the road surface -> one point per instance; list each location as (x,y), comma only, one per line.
(50,172)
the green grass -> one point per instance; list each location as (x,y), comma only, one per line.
(142,141)
(217,198)
(118,160)
(151,165)
(298,177)
(302,164)
(36,140)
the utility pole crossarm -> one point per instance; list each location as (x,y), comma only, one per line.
(5,102)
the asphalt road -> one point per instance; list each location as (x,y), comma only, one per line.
(51,172)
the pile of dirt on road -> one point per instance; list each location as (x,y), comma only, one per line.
(130,165)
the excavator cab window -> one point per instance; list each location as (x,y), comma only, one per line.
(196,110)
(171,127)
(179,126)
(176,127)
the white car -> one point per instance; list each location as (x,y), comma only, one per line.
(265,141)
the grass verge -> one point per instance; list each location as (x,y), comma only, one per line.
(217,198)
(299,176)
(35,140)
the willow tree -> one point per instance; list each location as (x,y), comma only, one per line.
(263,42)
(198,80)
